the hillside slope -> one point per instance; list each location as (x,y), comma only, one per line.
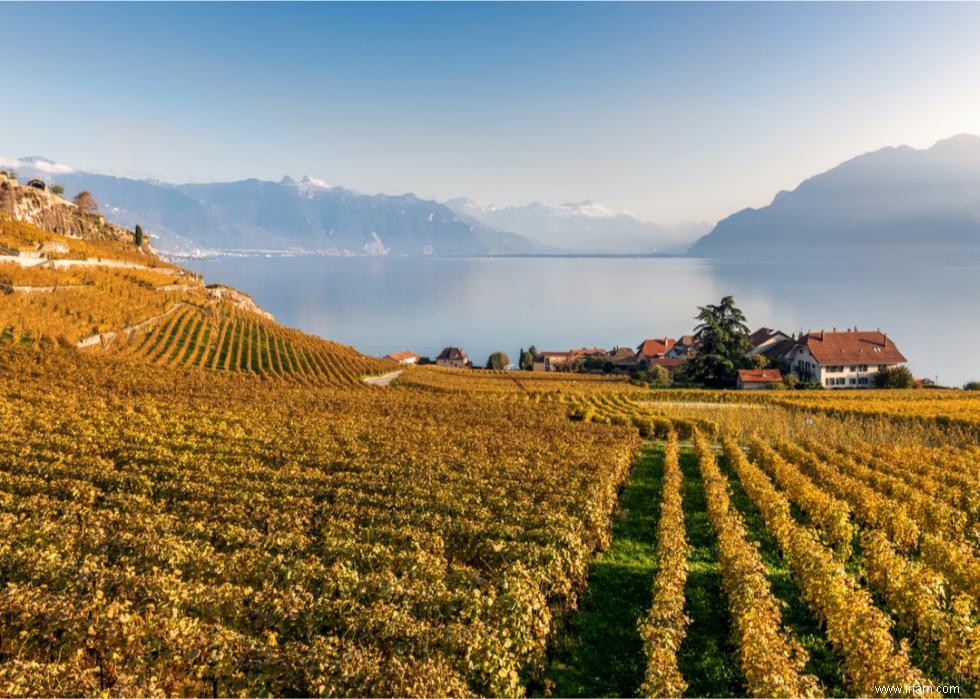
(897,203)
(104,295)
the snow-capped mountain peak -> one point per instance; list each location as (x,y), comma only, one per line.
(587,208)
(313,183)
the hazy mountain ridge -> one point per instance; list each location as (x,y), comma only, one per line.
(309,215)
(582,227)
(900,202)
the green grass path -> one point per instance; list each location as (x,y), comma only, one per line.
(707,658)
(601,653)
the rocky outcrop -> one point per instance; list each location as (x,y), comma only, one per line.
(50,212)
(239,299)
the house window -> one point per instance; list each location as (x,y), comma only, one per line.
(863,367)
(863,381)
(852,381)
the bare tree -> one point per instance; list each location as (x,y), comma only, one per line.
(86,203)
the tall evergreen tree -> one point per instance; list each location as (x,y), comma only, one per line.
(723,341)
(138,235)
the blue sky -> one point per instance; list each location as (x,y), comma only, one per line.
(676,112)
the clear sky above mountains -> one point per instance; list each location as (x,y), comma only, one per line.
(674,112)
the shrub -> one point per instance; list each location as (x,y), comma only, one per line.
(895,377)
(971,386)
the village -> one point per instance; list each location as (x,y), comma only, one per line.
(833,359)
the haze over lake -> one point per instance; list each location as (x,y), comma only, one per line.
(384,304)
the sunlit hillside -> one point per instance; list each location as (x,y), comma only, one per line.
(108,296)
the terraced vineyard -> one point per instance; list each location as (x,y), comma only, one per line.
(203,502)
(219,338)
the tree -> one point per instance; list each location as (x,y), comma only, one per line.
(86,202)
(723,339)
(895,377)
(971,386)
(57,189)
(138,235)
(526,361)
(660,377)
(498,360)
(760,361)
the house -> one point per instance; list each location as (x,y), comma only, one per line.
(656,348)
(843,359)
(403,357)
(38,184)
(623,359)
(684,346)
(576,357)
(756,379)
(765,339)
(453,357)
(552,361)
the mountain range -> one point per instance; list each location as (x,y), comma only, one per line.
(308,215)
(899,203)
(583,227)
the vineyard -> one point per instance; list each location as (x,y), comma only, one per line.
(224,339)
(195,500)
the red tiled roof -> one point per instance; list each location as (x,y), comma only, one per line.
(665,363)
(401,356)
(760,375)
(852,347)
(686,340)
(656,347)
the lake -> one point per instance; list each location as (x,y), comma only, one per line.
(384,304)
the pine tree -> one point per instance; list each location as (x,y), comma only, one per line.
(723,341)
(138,236)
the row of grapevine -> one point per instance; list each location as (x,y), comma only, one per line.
(918,597)
(855,627)
(771,658)
(294,539)
(665,625)
(830,515)
(211,337)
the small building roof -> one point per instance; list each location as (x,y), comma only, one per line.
(852,347)
(778,350)
(453,353)
(760,375)
(402,356)
(655,347)
(764,335)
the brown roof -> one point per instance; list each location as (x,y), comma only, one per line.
(760,375)
(778,350)
(621,353)
(687,340)
(656,347)
(763,334)
(852,347)
(400,356)
(586,352)
(542,355)
(453,353)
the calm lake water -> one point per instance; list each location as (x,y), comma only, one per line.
(381,305)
